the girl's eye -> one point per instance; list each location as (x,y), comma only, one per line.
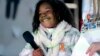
(49,11)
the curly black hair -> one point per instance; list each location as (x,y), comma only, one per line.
(59,8)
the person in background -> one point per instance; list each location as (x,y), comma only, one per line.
(53,30)
(9,9)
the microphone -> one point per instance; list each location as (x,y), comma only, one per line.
(30,39)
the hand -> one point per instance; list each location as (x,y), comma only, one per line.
(38,52)
(93,48)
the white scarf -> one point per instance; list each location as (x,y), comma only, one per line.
(57,37)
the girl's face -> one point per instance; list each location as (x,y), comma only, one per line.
(46,16)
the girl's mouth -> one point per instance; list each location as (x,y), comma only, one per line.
(45,18)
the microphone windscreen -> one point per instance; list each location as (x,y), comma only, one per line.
(30,39)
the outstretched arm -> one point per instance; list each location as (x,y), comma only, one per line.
(94,47)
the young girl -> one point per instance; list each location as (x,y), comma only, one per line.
(53,30)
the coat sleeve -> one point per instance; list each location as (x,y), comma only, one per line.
(75,34)
(27,50)
(71,38)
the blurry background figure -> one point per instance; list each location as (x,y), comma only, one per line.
(8,8)
(11,40)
